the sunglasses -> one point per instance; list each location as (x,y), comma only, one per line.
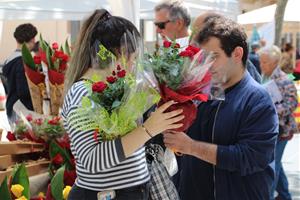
(161,25)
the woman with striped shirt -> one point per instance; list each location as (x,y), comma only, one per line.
(115,169)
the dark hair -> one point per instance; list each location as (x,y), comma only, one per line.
(111,31)
(230,34)
(25,33)
(99,28)
(211,16)
(288,47)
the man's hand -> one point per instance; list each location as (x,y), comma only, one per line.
(178,141)
(181,142)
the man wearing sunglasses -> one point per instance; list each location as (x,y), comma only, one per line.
(172,20)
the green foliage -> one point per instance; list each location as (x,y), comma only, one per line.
(167,66)
(4,190)
(67,48)
(57,184)
(49,59)
(43,44)
(27,57)
(20,176)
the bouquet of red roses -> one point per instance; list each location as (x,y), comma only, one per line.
(183,77)
(35,79)
(56,59)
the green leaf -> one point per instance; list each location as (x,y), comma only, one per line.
(20,176)
(116,104)
(96,78)
(4,191)
(57,184)
(67,48)
(49,60)
(43,44)
(86,103)
(27,57)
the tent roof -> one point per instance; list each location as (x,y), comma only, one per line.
(78,9)
(266,14)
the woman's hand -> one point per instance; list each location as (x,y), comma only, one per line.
(159,121)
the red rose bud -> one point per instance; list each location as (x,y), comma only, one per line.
(118,67)
(63,66)
(38,121)
(177,46)
(195,50)
(95,135)
(65,58)
(121,73)
(111,79)
(10,136)
(58,159)
(167,44)
(37,60)
(52,122)
(29,118)
(113,73)
(99,87)
(55,46)
(186,53)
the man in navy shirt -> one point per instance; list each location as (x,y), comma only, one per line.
(229,148)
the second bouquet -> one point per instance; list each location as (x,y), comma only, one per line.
(183,76)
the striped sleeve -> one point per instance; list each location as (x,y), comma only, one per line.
(94,155)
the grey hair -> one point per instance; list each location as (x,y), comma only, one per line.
(177,10)
(272,51)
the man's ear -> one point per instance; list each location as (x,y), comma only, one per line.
(237,54)
(179,23)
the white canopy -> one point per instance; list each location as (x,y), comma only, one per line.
(77,9)
(266,14)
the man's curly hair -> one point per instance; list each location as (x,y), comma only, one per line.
(25,32)
(230,34)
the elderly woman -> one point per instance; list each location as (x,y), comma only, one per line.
(285,106)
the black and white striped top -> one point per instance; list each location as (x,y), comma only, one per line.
(100,165)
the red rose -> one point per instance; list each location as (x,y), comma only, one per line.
(63,66)
(52,122)
(58,159)
(113,73)
(177,46)
(37,60)
(186,53)
(95,135)
(167,44)
(195,50)
(10,136)
(55,46)
(111,79)
(59,54)
(121,73)
(65,58)
(118,67)
(99,87)
(29,118)
(38,121)
(69,177)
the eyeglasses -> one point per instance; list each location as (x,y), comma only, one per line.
(161,25)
